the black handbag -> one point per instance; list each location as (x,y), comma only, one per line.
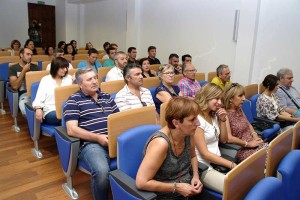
(262,125)
(222,169)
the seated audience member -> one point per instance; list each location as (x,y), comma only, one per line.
(288,95)
(15,46)
(241,131)
(44,102)
(110,60)
(49,51)
(174,60)
(105,47)
(169,156)
(58,53)
(133,95)
(112,45)
(147,72)
(186,59)
(268,104)
(188,85)
(61,45)
(16,74)
(116,73)
(69,50)
(166,89)
(30,45)
(88,46)
(91,61)
(212,129)
(132,55)
(86,115)
(152,55)
(223,76)
(74,44)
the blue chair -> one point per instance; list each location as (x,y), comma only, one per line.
(289,172)
(202,83)
(269,188)
(123,179)
(35,127)
(267,134)
(68,147)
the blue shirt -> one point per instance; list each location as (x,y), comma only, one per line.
(84,63)
(160,88)
(109,63)
(90,114)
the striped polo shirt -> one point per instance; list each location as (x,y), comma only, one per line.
(90,114)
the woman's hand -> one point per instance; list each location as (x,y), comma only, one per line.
(197,184)
(186,189)
(39,115)
(221,113)
(254,143)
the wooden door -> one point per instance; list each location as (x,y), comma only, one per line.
(44,14)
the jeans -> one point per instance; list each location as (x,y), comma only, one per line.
(96,158)
(51,119)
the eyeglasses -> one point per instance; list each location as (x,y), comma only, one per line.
(169,73)
(100,106)
(144,104)
(191,71)
(216,133)
(232,86)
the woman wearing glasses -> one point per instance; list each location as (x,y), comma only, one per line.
(212,129)
(241,131)
(268,104)
(166,90)
(169,156)
(44,102)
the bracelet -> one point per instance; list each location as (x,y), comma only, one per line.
(246,144)
(223,120)
(174,188)
(231,165)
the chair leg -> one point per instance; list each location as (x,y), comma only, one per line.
(15,126)
(68,188)
(36,150)
(2,109)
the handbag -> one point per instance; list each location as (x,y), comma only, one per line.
(262,125)
(222,169)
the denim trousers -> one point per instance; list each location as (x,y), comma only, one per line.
(96,158)
(51,119)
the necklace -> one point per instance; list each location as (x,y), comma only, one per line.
(179,173)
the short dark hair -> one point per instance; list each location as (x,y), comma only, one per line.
(185,56)
(60,44)
(270,81)
(21,51)
(27,42)
(172,55)
(127,69)
(151,47)
(92,50)
(106,44)
(130,49)
(109,49)
(58,63)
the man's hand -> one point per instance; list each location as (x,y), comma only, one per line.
(103,140)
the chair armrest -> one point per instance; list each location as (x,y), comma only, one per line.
(265,120)
(128,184)
(229,146)
(33,124)
(63,133)
(68,149)
(202,167)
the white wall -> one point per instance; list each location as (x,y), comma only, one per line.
(278,39)
(13,22)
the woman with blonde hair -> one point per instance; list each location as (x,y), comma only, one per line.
(166,89)
(169,156)
(241,131)
(213,128)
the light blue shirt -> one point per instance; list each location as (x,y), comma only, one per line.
(84,63)
(109,63)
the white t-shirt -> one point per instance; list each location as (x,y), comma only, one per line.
(211,135)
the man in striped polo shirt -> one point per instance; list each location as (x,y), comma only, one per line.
(133,95)
(86,115)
